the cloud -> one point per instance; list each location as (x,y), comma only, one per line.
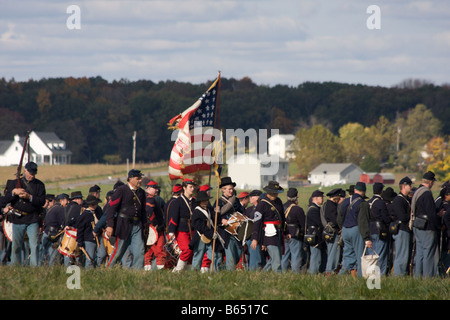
(270,41)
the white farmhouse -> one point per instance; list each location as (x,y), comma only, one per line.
(328,174)
(279,145)
(248,172)
(11,151)
(45,148)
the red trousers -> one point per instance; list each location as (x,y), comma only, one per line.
(183,239)
(156,250)
(206,263)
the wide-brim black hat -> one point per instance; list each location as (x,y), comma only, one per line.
(389,194)
(429,175)
(91,200)
(75,195)
(273,187)
(225,181)
(202,196)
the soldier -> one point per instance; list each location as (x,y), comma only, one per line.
(314,230)
(203,231)
(445,250)
(254,255)
(73,209)
(328,214)
(86,239)
(179,226)
(25,202)
(379,223)
(244,199)
(129,202)
(53,226)
(228,204)
(399,228)
(268,223)
(426,226)
(294,231)
(353,219)
(95,191)
(155,218)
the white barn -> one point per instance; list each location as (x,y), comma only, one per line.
(328,174)
(246,170)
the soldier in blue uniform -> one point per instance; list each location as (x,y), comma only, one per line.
(26,202)
(399,228)
(379,223)
(268,225)
(353,219)
(53,225)
(85,231)
(318,256)
(129,202)
(228,204)
(328,214)
(254,255)
(425,233)
(294,255)
(203,232)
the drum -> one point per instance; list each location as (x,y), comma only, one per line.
(240,226)
(7,229)
(172,248)
(152,235)
(107,243)
(69,246)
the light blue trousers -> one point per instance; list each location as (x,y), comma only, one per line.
(353,250)
(17,243)
(137,249)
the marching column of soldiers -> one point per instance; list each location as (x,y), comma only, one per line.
(136,228)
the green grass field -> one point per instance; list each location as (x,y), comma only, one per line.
(45,283)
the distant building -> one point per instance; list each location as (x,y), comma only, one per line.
(246,171)
(45,148)
(328,174)
(281,145)
(372,177)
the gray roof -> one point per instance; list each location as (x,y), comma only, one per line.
(48,137)
(334,168)
(4,145)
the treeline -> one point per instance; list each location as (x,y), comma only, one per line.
(97,118)
(412,142)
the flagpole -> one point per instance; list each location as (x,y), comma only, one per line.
(216,209)
(215,122)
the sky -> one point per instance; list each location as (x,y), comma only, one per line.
(273,42)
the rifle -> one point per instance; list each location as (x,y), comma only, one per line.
(19,168)
(411,263)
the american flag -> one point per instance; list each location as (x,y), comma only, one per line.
(194,142)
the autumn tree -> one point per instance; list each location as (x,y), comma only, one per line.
(416,129)
(313,146)
(352,139)
(438,159)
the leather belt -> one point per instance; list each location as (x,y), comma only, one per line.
(130,219)
(20,213)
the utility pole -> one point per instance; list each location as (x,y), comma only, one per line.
(134,150)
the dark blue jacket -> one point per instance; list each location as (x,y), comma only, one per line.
(379,212)
(54,219)
(84,227)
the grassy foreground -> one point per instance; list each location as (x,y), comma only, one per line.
(43,283)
